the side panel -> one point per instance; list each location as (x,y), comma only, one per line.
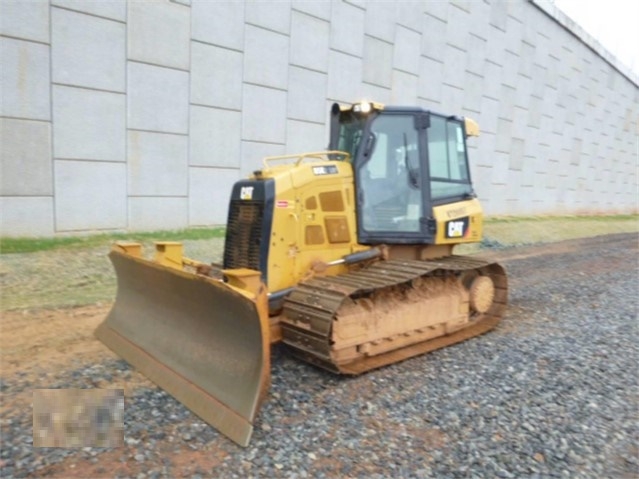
(283,237)
(313,220)
(328,228)
(459,222)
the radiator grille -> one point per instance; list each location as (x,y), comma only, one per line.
(244,234)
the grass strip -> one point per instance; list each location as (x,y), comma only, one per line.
(30,245)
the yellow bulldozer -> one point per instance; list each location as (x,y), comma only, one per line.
(344,255)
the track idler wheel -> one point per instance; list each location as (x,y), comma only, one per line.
(482,294)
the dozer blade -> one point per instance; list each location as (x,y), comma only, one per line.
(203,341)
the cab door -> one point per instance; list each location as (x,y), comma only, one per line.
(393,197)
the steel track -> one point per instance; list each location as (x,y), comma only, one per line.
(311,309)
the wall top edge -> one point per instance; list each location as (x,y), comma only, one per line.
(573,27)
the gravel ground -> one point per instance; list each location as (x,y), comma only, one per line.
(552,392)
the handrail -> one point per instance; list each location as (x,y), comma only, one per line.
(317,155)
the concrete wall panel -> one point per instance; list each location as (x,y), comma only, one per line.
(473,93)
(452,99)
(458,25)
(496,41)
(159,33)
(481,153)
(306,95)
(347,28)
(302,136)
(216,76)
(309,42)
(87,51)
(88,124)
(437,10)
(26,216)
(380,21)
(215,137)
(157,164)
(407,50)
(430,78)
(429,104)
(265,57)
(90,195)
(114,9)
(274,16)
(208,203)
(410,14)
(157,213)
(25,149)
(379,93)
(476,48)
(479,20)
(158,99)
(320,10)
(454,66)
(509,74)
(404,89)
(27,23)
(25,80)
(492,80)
(218,23)
(264,114)
(378,62)
(499,15)
(344,77)
(433,32)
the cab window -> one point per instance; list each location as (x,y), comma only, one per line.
(449,176)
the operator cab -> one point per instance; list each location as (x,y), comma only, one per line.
(405,162)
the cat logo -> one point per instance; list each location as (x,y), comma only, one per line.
(246,193)
(457,228)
